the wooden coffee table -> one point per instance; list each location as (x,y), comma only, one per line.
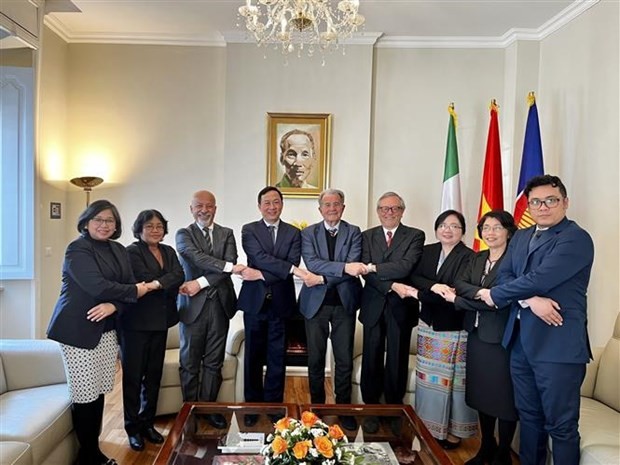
(193,440)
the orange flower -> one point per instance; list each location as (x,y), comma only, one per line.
(300,450)
(278,445)
(324,446)
(335,432)
(283,423)
(308,419)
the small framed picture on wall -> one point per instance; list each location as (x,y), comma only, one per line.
(55,210)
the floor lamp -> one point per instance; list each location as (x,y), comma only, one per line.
(87,183)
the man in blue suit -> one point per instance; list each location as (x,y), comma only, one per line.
(332,249)
(267,297)
(544,278)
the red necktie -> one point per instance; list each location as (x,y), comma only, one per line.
(389,238)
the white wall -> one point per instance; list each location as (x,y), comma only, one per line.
(158,123)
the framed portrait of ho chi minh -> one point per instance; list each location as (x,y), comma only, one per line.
(298,152)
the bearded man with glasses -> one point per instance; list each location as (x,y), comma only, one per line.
(544,278)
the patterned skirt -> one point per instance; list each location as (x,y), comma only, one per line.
(440,383)
(90,372)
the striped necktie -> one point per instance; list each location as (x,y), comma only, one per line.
(209,248)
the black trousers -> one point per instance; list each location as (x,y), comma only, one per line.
(342,334)
(391,340)
(265,345)
(142,356)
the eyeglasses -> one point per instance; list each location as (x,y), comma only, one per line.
(154,227)
(107,221)
(550,202)
(332,204)
(496,228)
(451,227)
(395,209)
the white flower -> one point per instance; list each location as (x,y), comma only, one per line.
(270,437)
(315,432)
(313,452)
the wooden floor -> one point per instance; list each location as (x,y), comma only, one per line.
(114,440)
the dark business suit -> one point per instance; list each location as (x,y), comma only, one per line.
(205,317)
(488,384)
(93,272)
(385,316)
(266,304)
(547,362)
(144,329)
(334,302)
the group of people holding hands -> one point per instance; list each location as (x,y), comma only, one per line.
(502,333)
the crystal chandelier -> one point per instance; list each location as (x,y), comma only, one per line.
(293,24)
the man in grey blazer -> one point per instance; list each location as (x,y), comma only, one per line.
(391,251)
(207,301)
(331,249)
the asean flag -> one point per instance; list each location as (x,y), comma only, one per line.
(492,195)
(531,164)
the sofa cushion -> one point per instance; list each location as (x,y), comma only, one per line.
(599,425)
(170,374)
(173,341)
(39,416)
(607,388)
(31,362)
(600,455)
(15,453)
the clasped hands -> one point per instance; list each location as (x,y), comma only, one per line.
(544,308)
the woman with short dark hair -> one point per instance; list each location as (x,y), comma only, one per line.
(144,329)
(488,387)
(97,283)
(440,363)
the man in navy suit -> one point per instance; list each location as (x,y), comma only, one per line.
(207,301)
(332,249)
(267,297)
(544,278)
(392,250)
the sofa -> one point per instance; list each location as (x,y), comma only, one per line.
(356,392)
(599,423)
(170,396)
(35,410)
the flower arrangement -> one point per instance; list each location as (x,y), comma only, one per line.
(301,225)
(307,441)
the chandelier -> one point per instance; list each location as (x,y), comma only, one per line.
(292,24)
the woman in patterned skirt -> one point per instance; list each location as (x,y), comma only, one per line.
(440,369)
(97,282)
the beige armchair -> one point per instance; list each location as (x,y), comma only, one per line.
(170,396)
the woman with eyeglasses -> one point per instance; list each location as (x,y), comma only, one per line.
(440,363)
(488,387)
(144,329)
(97,284)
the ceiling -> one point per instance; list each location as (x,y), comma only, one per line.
(214,22)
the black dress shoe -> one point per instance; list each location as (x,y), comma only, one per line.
(152,435)
(370,425)
(395,425)
(136,442)
(250,420)
(275,417)
(448,445)
(216,420)
(348,422)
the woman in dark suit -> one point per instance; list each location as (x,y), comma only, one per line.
(488,388)
(440,365)
(97,283)
(144,329)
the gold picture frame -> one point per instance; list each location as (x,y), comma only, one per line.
(298,152)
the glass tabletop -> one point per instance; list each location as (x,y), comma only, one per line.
(390,434)
(205,433)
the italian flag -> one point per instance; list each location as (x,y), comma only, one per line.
(451,195)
